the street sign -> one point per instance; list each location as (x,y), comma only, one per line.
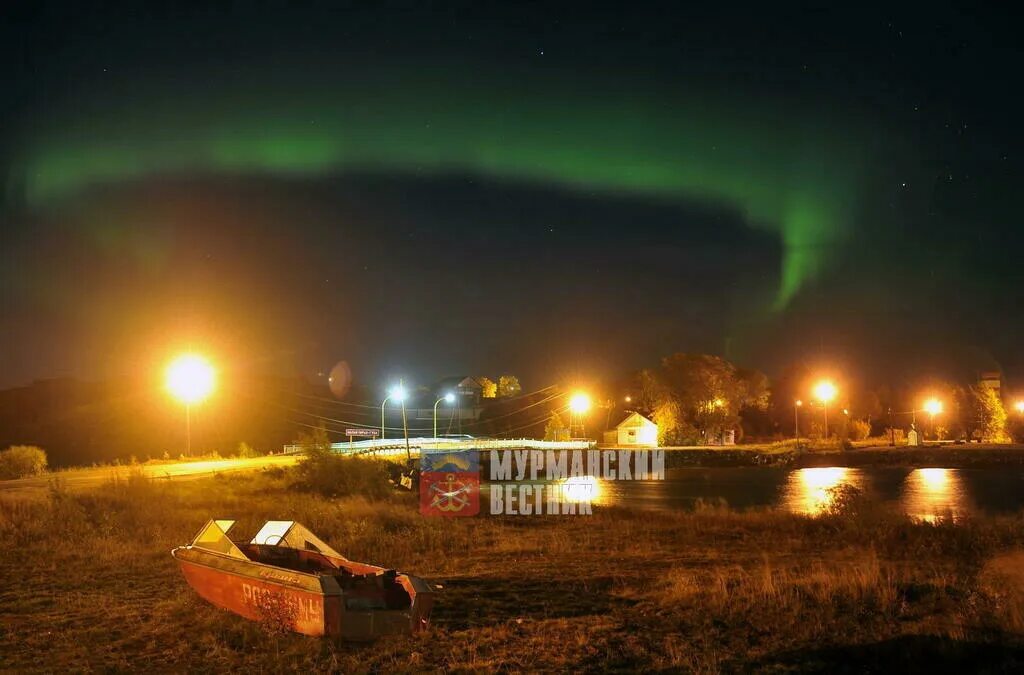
(372,433)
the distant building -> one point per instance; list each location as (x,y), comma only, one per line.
(726,437)
(467,389)
(465,408)
(635,430)
(991,379)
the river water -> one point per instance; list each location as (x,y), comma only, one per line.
(927,493)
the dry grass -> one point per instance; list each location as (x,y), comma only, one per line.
(87,583)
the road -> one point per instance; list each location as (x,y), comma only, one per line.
(85,478)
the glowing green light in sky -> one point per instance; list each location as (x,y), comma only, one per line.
(783,171)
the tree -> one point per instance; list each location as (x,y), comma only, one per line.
(866,404)
(245,450)
(315,442)
(858,430)
(709,393)
(754,387)
(556,429)
(1016,428)
(19,461)
(671,430)
(991,415)
(963,421)
(650,392)
(508,385)
(488,389)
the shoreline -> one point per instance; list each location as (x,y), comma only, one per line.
(947,456)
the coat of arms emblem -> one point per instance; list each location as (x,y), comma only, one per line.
(450,483)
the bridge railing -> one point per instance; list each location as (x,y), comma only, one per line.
(397,445)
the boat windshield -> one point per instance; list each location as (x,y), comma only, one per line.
(289,534)
(272,533)
(214,537)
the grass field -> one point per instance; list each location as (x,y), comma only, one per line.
(87,583)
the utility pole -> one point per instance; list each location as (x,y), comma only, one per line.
(796,420)
(405,426)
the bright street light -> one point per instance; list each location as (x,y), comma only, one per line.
(397,392)
(825,391)
(1019,405)
(933,406)
(579,403)
(190,378)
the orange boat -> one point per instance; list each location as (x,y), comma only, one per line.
(287,574)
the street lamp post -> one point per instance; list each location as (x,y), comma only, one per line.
(190,378)
(382,404)
(579,404)
(450,398)
(398,393)
(933,407)
(796,420)
(405,426)
(825,391)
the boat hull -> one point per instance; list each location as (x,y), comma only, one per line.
(262,599)
(295,600)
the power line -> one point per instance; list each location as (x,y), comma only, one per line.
(336,401)
(537,421)
(514,412)
(363,425)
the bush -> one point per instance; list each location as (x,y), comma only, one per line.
(246,450)
(894,435)
(336,476)
(858,430)
(19,461)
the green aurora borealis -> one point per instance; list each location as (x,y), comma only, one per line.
(778,165)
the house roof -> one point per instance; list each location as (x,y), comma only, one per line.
(456,381)
(635,420)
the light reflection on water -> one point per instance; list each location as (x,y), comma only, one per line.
(927,494)
(813,491)
(934,494)
(581,489)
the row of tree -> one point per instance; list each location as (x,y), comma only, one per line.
(507,385)
(697,398)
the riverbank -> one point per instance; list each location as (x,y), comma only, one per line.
(976,456)
(87,583)
(91,477)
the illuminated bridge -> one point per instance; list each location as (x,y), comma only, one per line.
(396,446)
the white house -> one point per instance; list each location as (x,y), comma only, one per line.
(635,430)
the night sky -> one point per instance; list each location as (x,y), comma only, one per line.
(559,193)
